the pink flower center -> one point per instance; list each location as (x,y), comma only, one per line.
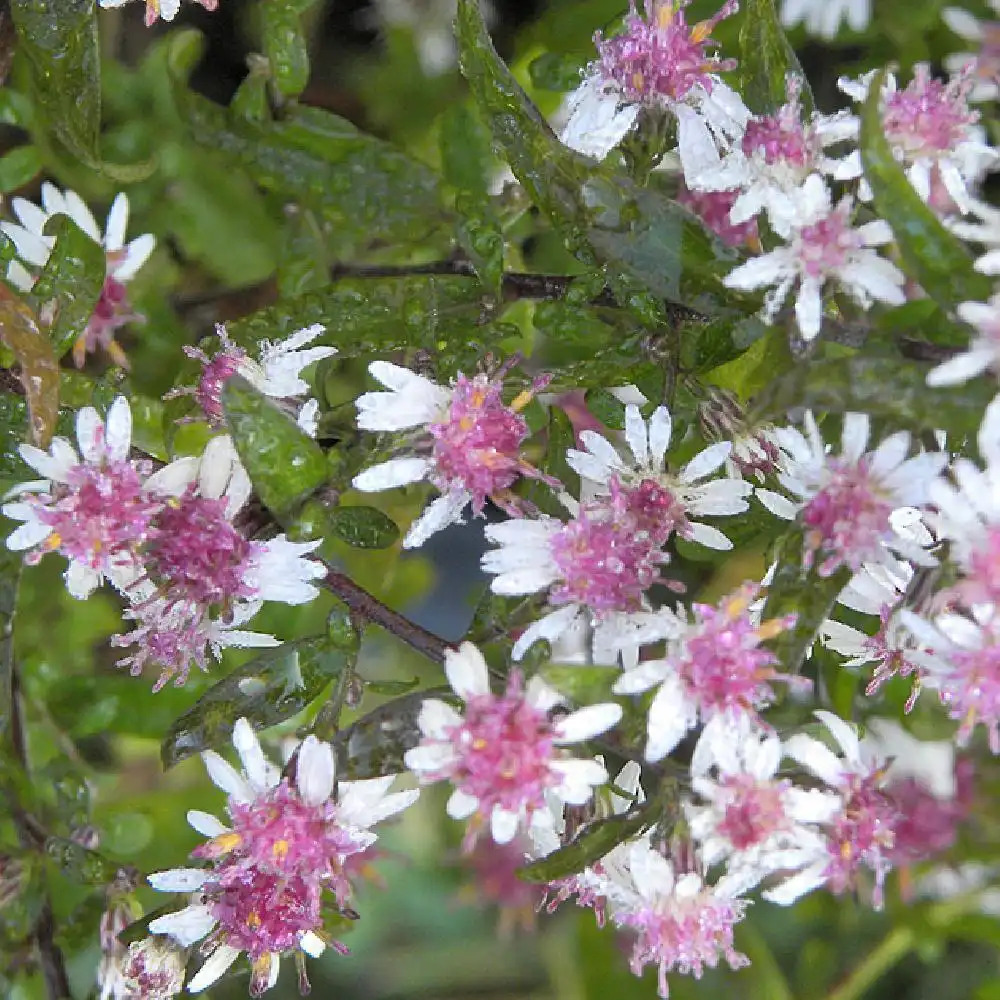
(99,514)
(926,825)
(778,139)
(504,749)
(971,691)
(753,812)
(930,116)
(724,667)
(826,245)
(198,555)
(260,913)
(848,519)
(713,208)
(113,311)
(605,555)
(686,935)
(659,55)
(216,371)
(890,652)
(478,447)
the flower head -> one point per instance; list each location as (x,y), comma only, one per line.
(822,247)
(714,665)
(846,502)
(156,9)
(466,442)
(150,969)
(113,309)
(288,841)
(502,754)
(985,62)
(94,508)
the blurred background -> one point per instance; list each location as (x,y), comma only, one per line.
(463,928)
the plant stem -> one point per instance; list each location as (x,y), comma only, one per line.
(369,608)
(893,948)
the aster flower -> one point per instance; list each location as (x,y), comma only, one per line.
(754,451)
(150,969)
(681,923)
(714,209)
(502,754)
(277,373)
(824,17)
(287,841)
(93,507)
(465,440)
(985,36)
(663,502)
(861,832)
(200,578)
(846,502)
(714,665)
(124,260)
(933,133)
(660,61)
(822,247)
(156,9)
(776,154)
(745,815)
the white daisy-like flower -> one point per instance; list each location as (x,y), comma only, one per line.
(983,352)
(124,260)
(985,37)
(746,816)
(846,503)
(502,752)
(822,247)
(671,499)
(860,833)
(464,440)
(933,133)
(156,9)
(824,17)
(287,840)
(277,373)
(94,507)
(776,154)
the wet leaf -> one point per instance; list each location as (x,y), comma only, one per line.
(284,463)
(581,684)
(70,283)
(374,745)
(58,40)
(79,864)
(931,255)
(20,331)
(363,527)
(285,43)
(18,167)
(271,688)
(607,408)
(766,58)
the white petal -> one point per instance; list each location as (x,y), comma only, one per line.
(503,825)
(136,254)
(179,879)
(118,430)
(461,805)
(205,823)
(395,472)
(438,514)
(635,435)
(711,538)
(587,722)
(777,504)
(315,771)
(214,969)
(185,926)
(437,718)
(466,671)
(706,461)
(312,944)
(251,755)
(90,434)
(27,535)
(660,427)
(226,777)
(116,223)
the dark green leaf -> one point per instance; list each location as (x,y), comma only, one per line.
(303,265)
(466,157)
(556,71)
(58,39)
(80,864)
(18,167)
(584,685)
(931,255)
(285,44)
(284,463)
(766,59)
(886,388)
(366,188)
(607,408)
(71,281)
(595,841)
(272,687)
(481,237)
(363,527)
(374,745)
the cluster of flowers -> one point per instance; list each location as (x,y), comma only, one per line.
(740,168)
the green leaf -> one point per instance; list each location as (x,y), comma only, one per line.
(766,59)
(595,841)
(607,408)
(284,463)
(375,745)
(58,39)
(557,71)
(285,44)
(464,143)
(18,167)
(372,192)
(303,265)
(886,388)
(71,281)
(584,685)
(79,864)
(363,527)
(803,593)
(10,577)
(20,331)
(930,254)
(269,689)
(481,237)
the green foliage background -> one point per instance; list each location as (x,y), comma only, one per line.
(256,206)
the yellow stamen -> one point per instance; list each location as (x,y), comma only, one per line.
(479,744)
(226,842)
(521,400)
(280,850)
(253,920)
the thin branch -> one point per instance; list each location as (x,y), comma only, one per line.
(369,608)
